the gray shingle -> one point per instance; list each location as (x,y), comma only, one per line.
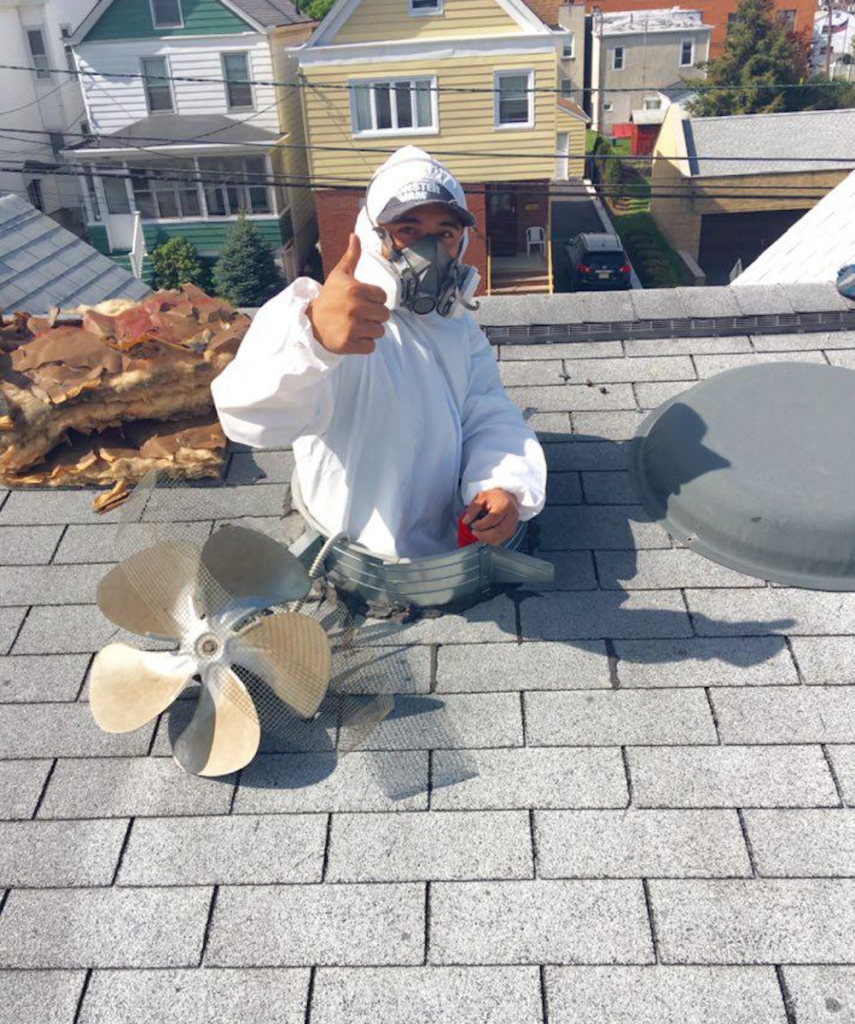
(609,489)
(794,714)
(658,570)
(68,629)
(562,350)
(44,854)
(272,467)
(179,997)
(541,371)
(651,396)
(664,995)
(696,661)
(657,304)
(611,426)
(21,784)
(815,297)
(489,622)
(754,921)
(56,584)
(843,759)
(686,346)
(808,340)
(641,844)
(646,368)
(618,718)
(131,787)
(821,994)
(531,922)
(449,845)
(601,527)
(99,542)
(574,570)
(63,730)
(762,300)
(103,927)
(27,545)
(589,616)
(825,660)
(335,925)
(45,507)
(10,622)
(708,302)
(802,843)
(761,612)
(572,397)
(427,995)
(49,997)
(41,677)
(231,850)
(450,721)
(731,777)
(563,489)
(584,453)
(846,358)
(709,366)
(534,777)
(528,666)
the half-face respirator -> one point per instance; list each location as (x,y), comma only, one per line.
(423,277)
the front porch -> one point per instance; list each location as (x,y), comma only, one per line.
(518,256)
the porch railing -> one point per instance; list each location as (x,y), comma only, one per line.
(137,254)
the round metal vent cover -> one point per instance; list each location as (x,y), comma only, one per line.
(755,469)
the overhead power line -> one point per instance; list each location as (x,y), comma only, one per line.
(122,140)
(300,84)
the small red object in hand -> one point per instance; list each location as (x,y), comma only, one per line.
(464,535)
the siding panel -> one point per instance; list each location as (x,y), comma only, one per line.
(390,20)
(131,19)
(207,236)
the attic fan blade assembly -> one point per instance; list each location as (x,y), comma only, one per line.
(237,613)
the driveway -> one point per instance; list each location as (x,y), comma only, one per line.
(570,215)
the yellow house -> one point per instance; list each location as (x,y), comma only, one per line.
(475,83)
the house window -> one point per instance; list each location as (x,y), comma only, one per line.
(687,53)
(405,105)
(38,52)
(34,193)
(237,183)
(236,75)
(417,7)
(569,51)
(566,87)
(166,14)
(618,58)
(608,108)
(514,99)
(788,19)
(158,92)
(652,103)
(165,191)
(114,183)
(94,205)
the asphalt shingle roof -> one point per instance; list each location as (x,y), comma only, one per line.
(43,265)
(656,820)
(173,129)
(789,137)
(271,13)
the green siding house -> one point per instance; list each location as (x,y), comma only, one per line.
(185,127)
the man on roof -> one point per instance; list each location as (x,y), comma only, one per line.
(385,385)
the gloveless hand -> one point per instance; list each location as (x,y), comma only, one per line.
(501,515)
(348,317)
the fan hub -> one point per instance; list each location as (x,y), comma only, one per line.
(208,647)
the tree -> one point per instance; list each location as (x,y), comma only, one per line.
(246,273)
(177,262)
(759,56)
(316,9)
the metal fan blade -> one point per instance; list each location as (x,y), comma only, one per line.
(291,653)
(224,733)
(128,688)
(150,593)
(248,570)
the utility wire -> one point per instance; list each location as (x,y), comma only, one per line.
(493,154)
(299,84)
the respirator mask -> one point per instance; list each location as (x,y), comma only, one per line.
(430,278)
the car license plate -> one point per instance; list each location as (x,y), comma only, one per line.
(604,273)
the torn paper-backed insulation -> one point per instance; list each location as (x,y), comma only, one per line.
(71,389)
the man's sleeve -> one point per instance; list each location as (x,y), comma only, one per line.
(279,386)
(499,449)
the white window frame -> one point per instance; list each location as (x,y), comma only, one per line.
(691,63)
(43,74)
(515,73)
(569,45)
(622,51)
(651,103)
(370,83)
(424,12)
(608,108)
(166,82)
(180,24)
(238,53)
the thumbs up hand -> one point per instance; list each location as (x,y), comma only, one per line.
(348,317)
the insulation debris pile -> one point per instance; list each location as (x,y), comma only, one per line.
(105,394)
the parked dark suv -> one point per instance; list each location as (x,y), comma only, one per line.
(598,261)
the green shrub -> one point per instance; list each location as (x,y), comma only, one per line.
(177,262)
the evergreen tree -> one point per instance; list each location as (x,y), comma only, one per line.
(759,54)
(246,273)
(177,262)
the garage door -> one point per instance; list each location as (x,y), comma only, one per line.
(728,237)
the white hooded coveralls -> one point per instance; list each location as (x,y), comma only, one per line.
(389,447)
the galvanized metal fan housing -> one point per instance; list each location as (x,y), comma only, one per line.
(755,469)
(203,600)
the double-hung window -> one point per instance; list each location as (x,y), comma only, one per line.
(236,75)
(166,14)
(165,191)
(158,91)
(513,99)
(618,58)
(417,7)
(38,52)
(234,184)
(394,106)
(687,53)
(569,50)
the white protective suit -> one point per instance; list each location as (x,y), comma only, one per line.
(389,447)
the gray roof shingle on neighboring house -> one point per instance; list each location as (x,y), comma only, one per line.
(42,265)
(175,129)
(642,783)
(815,248)
(794,139)
(272,13)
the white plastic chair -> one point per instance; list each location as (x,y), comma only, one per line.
(535,238)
